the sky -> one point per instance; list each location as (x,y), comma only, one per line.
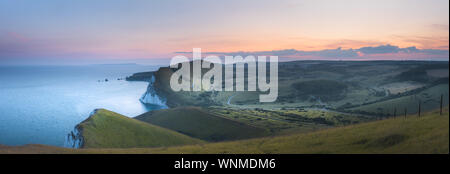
(153,31)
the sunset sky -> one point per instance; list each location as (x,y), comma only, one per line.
(68,31)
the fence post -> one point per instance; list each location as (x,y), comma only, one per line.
(405,112)
(420,102)
(395,112)
(440,108)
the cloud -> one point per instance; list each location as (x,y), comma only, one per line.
(425,42)
(379,50)
(384,52)
(440,26)
(349,43)
(336,53)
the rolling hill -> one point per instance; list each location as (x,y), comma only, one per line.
(198,123)
(426,134)
(108,129)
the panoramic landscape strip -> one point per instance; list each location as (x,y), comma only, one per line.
(225,85)
(325,98)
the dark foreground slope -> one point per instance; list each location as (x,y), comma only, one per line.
(198,123)
(106,129)
(426,134)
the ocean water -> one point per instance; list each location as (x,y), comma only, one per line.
(42,104)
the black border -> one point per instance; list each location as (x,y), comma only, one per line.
(285,162)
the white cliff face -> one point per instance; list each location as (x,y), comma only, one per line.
(75,138)
(150,96)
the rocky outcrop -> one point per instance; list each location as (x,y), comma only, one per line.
(151,97)
(75,138)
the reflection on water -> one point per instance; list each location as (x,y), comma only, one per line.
(40,105)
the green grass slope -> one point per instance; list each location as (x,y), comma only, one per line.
(426,134)
(429,99)
(106,129)
(198,123)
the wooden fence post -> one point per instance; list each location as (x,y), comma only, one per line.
(405,112)
(440,108)
(395,112)
(420,102)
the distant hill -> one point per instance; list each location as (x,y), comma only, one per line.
(142,76)
(108,129)
(331,84)
(426,134)
(198,123)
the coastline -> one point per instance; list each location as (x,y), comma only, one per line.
(75,138)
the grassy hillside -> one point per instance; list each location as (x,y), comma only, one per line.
(429,99)
(326,90)
(107,129)
(195,122)
(290,120)
(427,134)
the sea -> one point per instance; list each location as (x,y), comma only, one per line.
(42,104)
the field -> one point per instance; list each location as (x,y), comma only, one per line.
(429,99)
(426,134)
(107,129)
(198,123)
(400,87)
(289,120)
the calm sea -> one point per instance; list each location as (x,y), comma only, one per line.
(42,104)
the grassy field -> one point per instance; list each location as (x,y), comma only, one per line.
(429,99)
(288,120)
(107,129)
(426,134)
(198,123)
